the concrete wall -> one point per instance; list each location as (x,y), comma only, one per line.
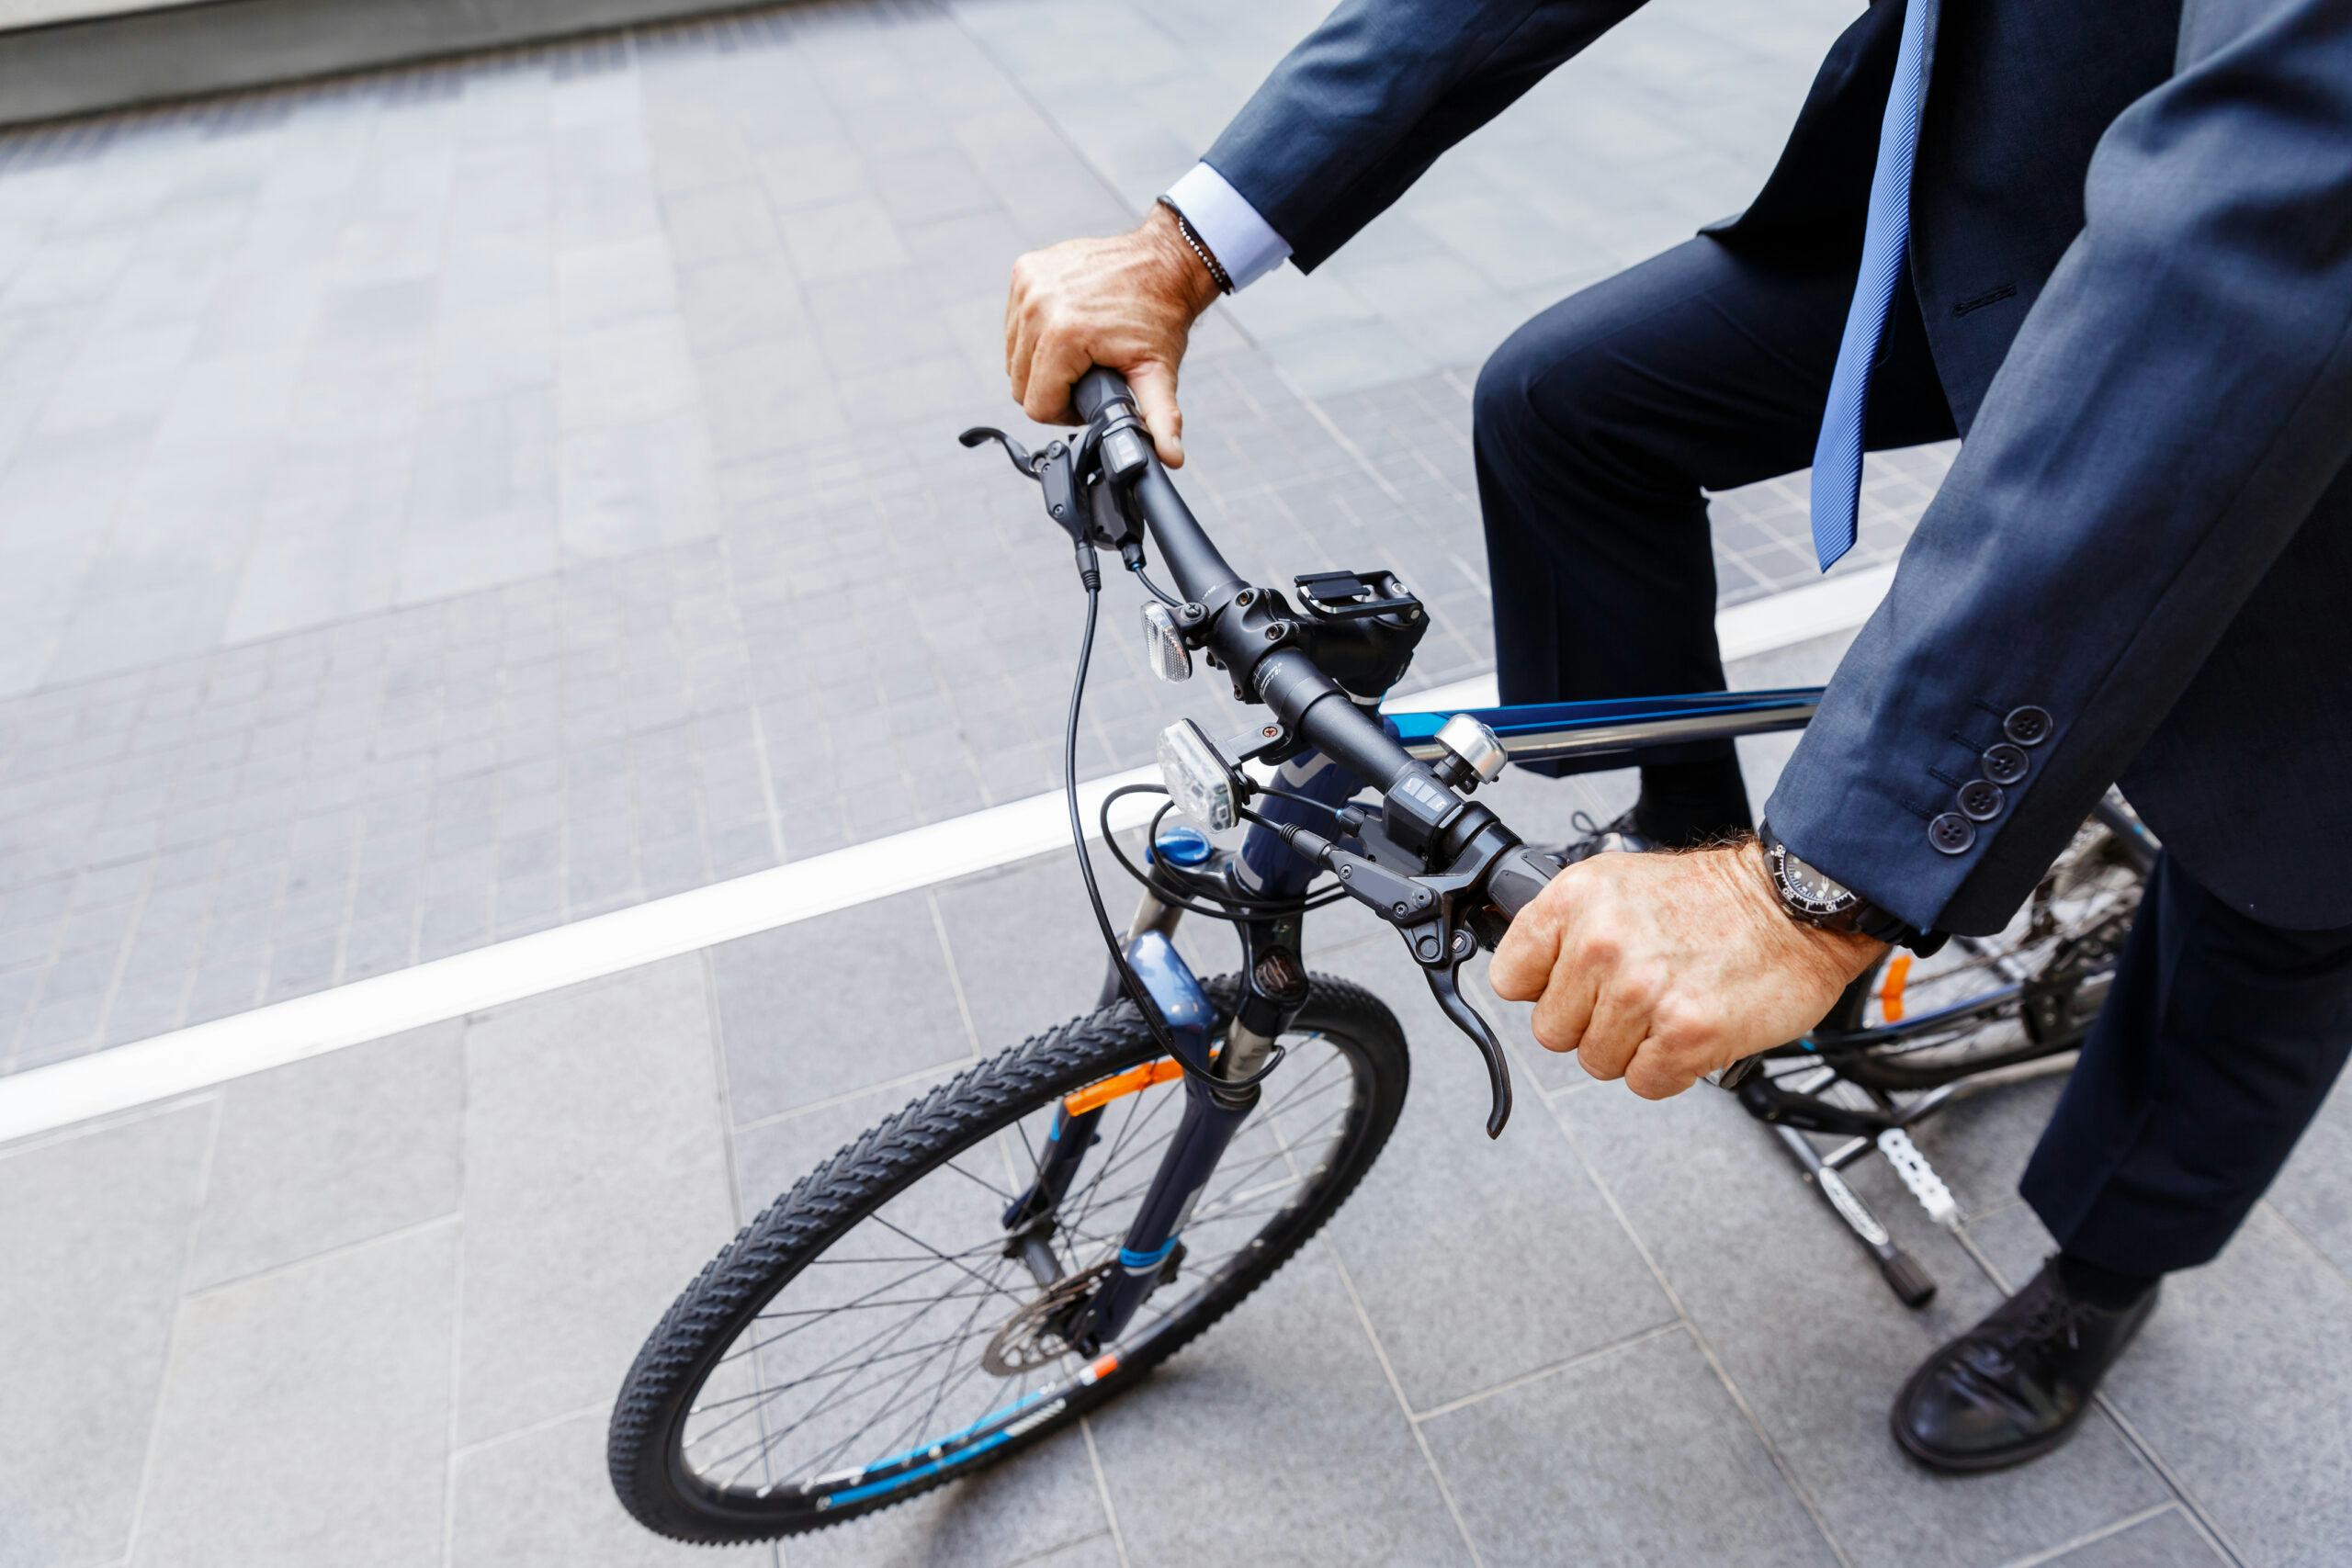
(82,55)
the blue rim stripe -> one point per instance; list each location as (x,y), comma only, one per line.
(1015,1408)
(875,1488)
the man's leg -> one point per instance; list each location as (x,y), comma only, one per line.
(2213,1052)
(2215,1046)
(1599,427)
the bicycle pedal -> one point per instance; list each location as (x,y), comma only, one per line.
(1919,1176)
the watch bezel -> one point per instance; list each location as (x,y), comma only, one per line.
(1803,904)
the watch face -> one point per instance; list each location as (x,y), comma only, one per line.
(1806,888)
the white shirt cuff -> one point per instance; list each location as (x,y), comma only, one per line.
(1243,244)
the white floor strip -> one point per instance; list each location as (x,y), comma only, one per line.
(204,1055)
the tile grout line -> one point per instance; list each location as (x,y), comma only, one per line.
(2112,1528)
(456,1321)
(955,975)
(920,1079)
(726,1091)
(2296,1230)
(527,1429)
(2139,1445)
(1755,1423)
(1102,1490)
(398,1232)
(122,960)
(1582,1357)
(457,1372)
(172,1335)
(129,1117)
(1421,1439)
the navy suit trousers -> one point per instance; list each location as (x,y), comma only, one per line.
(1599,427)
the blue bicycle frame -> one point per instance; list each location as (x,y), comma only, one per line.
(1267,869)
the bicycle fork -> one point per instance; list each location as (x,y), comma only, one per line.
(1213,1115)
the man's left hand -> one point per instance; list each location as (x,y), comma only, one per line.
(1660,968)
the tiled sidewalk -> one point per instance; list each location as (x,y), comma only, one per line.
(372,1308)
(443,503)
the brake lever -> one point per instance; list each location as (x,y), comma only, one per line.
(1422,910)
(1452,947)
(1020,455)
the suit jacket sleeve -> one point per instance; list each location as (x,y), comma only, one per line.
(1360,109)
(2172,407)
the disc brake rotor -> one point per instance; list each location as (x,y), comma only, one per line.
(1028,1341)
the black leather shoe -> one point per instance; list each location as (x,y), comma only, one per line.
(2014,1386)
(1621,834)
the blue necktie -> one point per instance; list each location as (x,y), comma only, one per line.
(1886,243)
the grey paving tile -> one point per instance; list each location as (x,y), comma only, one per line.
(1291,1373)
(307,1411)
(594,1188)
(1721,1213)
(1606,1461)
(1533,1265)
(542,1497)
(822,1009)
(2245,1409)
(2314,1192)
(333,1150)
(95,1231)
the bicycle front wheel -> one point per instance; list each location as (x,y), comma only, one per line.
(876,1333)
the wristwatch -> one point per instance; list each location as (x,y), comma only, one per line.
(1812,896)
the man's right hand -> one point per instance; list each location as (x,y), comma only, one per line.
(1126,303)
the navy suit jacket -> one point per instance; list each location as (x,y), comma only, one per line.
(2131,243)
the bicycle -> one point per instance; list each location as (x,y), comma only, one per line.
(1028,1240)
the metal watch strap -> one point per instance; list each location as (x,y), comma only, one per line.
(1217,275)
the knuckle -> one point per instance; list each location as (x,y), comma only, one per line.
(1687,1021)
(1640,987)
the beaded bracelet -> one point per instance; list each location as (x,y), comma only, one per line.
(1217,273)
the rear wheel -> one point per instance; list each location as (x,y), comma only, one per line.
(874,1334)
(2028,992)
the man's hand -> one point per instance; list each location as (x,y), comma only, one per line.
(1660,968)
(1128,303)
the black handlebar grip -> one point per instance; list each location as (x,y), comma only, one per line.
(1097,387)
(1518,876)
(1512,883)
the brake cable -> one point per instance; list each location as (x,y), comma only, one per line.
(1089,576)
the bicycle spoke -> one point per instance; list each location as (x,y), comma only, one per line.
(813,1410)
(903,1358)
(982,1180)
(963,1332)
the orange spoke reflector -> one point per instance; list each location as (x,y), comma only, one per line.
(1095,1096)
(1100,1368)
(1890,986)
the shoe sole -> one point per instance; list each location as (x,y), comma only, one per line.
(1968,1464)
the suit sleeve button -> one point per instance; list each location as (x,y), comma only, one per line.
(2005,764)
(1980,800)
(1952,833)
(2028,726)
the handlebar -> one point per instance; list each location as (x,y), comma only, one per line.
(1288,680)
(1478,873)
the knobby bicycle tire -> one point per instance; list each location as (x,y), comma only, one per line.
(644,1448)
